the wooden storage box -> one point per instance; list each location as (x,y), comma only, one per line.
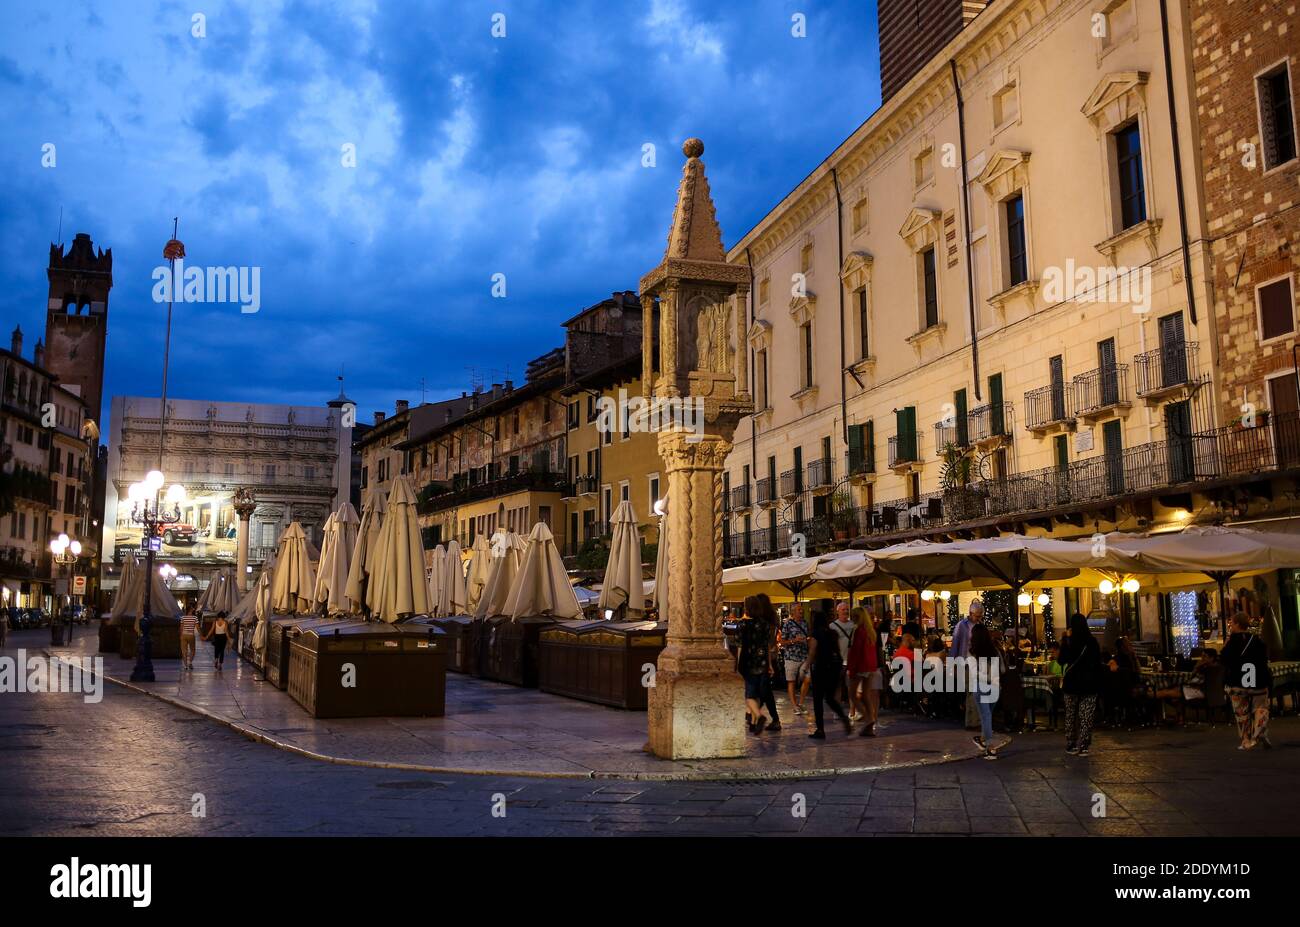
(600,661)
(393,670)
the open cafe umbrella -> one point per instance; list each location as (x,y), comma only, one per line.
(437,576)
(1013,561)
(293,583)
(397,583)
(480,553)
(1218,553)
(623,583)
(542,586)
(452,597)
(372,519)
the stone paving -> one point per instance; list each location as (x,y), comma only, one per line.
(133,766)
(491,727)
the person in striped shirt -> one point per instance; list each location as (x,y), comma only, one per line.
(189,639)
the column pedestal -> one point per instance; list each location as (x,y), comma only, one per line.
(697,705)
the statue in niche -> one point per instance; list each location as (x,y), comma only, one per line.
(712,336)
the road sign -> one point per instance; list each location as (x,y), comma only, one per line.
(78,585)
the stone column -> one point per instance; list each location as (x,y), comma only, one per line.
(244,505)
(696,707)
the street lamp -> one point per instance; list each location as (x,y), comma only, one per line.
(150,511)
(65,551)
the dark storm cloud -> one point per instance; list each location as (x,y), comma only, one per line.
(474,156)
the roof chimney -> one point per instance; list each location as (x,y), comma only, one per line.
(402,406)
(16,344)
(379,417)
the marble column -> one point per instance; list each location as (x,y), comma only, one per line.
(696,706)
(244,506)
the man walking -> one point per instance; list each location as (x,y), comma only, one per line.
(961,650)
(189,639)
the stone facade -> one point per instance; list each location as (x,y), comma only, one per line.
(288,456)
(1251,203)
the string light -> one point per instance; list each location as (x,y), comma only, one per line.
(1183,621)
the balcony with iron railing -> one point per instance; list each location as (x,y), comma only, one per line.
(1168,372)
(946,432)
(436,497)
(860,463)
(1049,406)
(1101,391)
(991,424)
(1178,464)
(586,486)
(739,498)
(764,492)
(905,453)
(791,483)
(819,475)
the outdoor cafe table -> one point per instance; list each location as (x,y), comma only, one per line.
(1048,684)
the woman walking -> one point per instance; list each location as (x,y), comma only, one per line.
(754,660)
(1081,657)
(827,668)
(864,670)
(219,634)
(1247,680)
(988,667)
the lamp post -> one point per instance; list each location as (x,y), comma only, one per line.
(149,511)
(66,552)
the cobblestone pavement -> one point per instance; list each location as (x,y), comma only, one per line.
(132,765)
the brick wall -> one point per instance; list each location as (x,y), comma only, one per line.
(913,31)
(1253,214)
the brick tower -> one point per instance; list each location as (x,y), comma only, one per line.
(76,318)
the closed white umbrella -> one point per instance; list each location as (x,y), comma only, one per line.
(660,595)
(397,577)
(372,520)
(476,578)
(260,605)
(293,583)
(623,582)
(453,584)
(348,523)
(437,576)
(329,537)
(542,586)
(121,601)
(505,555)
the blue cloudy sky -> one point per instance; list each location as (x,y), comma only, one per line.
(475,156)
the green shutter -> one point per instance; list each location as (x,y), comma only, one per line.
(959,400)
(996,413)
(855,448)
(870,442)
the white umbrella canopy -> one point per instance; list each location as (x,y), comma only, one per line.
(128,579)
(329,537)
(623,582)
(220,596)
(505,555)
(453,582)
(348,524)
(332,571)
(367,538)
(660,594)
(293,582)
(437,576)
(542,586)
(260,605)
(476,578)
(398,587)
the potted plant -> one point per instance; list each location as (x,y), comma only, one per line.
(843,520)
(955,476)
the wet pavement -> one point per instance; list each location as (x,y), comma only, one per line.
(134,766)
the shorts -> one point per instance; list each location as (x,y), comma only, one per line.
(874,679)
(754,683)
(796,668)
